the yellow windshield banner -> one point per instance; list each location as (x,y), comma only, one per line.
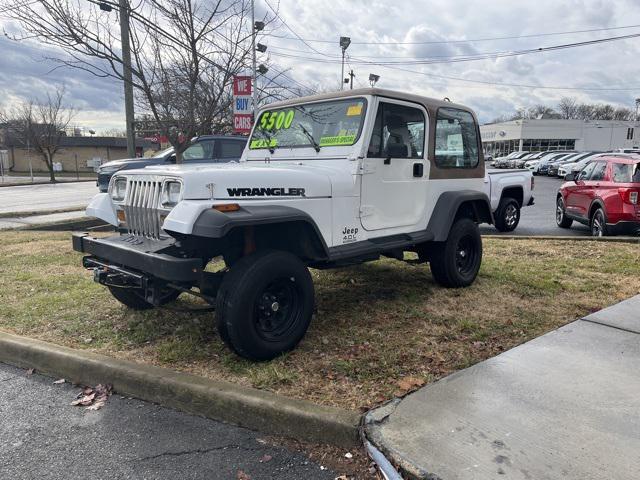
(338,140)
(263,143)
(354,110)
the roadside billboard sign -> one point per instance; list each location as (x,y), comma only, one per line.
(242,104)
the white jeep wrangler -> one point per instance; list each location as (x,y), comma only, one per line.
(325,181)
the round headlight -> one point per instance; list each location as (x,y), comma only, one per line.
(118,189)
(171,194)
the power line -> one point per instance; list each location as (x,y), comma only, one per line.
(468,58)
(298,37)
(437,42)
(445,77)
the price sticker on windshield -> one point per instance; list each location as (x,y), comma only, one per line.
(277,120)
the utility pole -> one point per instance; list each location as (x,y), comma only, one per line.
(128,78)
(254,75)
(351,75)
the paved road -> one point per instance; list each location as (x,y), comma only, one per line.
(540,219)
(46,197)
(43,437)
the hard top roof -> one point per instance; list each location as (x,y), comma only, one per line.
(357,92)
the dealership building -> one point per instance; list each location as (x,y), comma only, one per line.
(535,135)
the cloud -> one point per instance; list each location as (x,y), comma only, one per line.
(24,73)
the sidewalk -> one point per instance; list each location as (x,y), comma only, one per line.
(565,405)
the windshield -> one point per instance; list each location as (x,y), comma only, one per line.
(163,153)
(326,124)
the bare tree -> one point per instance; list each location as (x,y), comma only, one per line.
(184,53)
(40,125)
(568,107)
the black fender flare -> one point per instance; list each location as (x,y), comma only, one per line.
(600,204)
(215,224)
(448,206)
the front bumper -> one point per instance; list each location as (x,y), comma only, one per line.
(150,257)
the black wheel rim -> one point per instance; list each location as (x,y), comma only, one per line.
(277,309)
(466,255)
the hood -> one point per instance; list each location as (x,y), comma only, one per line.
(127,162)
(253,180)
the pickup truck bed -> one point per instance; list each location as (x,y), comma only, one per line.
(508,191)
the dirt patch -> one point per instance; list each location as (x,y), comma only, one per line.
(379,330)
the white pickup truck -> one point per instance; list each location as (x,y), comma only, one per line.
(508,191)
(325,181)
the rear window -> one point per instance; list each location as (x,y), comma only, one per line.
(625,172)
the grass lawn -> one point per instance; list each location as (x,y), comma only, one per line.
(379,328)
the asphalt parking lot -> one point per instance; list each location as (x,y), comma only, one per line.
(42,436)
(540,219)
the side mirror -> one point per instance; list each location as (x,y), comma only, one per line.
(570,177)
(171,159)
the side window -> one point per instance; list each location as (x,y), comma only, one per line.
(200,151)
(231,149)
(598,171)
(621,172)
(398,132)
(586,171)
(456,139)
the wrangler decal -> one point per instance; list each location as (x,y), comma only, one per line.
(266,192)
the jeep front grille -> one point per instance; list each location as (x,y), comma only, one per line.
(141,207)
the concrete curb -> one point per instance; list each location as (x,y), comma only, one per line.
(36,213)
(26,184)
(227,402)
(75,224)
(562,238)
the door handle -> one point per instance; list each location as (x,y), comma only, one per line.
(418,169)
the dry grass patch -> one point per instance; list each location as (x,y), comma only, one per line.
(375,324)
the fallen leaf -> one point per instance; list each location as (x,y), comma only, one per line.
(348,455)
(408,383)
(98,404)
(84,401)
(266,458)
(241,475)
(31,371)
(58,382)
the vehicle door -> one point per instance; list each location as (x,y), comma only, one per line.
(576,192)
(596,184)
(201,151)
(395,173)
(228,150)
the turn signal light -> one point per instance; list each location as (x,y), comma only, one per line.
(121,216)
(227,207)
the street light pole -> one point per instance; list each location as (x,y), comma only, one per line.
(344,44)
(128,78)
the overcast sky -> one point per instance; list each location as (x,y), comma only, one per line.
(25,74)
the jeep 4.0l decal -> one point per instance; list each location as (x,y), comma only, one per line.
(266,192)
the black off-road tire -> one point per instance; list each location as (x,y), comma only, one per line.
(134,298)
(455,263)
(507,216)
(264,305)
(561,215)
(598,224)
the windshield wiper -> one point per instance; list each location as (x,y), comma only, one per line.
(312,140)
(269,137)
